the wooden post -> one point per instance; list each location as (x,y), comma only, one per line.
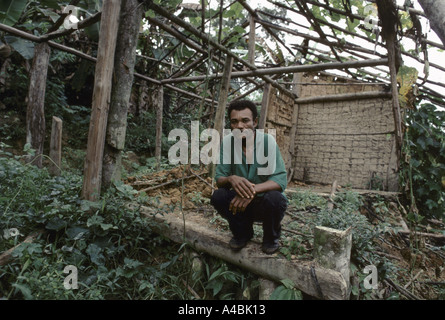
(55,148)
(332,249)
(264,106)
(291,156)
(222,102)
(35,112)
(123,75)
(101,99)
(159,101)
(251,44)
(395,92)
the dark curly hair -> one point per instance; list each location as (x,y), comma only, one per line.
(241,105)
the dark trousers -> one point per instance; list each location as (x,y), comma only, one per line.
(268,209)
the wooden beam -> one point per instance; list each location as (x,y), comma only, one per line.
(264,106)
(81,25)
(159,106)
(289,69)
(345,97)
(206,39)
(222,104)
(101,99)
(55,148)
(251,44)
(307,275)
(291,156)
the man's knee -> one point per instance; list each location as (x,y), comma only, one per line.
(220,197)
(275,200)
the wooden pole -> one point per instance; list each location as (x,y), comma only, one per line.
(388,15)
(264,106)
(290,69)
(206,39)
(55,148)
(35,112)
(101,99)
(290,164)
(251,44)
(223,94)
(222,102)
(159,111)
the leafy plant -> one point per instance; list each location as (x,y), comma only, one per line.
(305,200)
(112,246)
(346,214)
(11,10)
(220,277)
(423,168)
(286,291)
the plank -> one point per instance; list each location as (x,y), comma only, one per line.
(332,284)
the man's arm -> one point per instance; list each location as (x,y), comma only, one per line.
(266,186)
(242,186)
(239,203)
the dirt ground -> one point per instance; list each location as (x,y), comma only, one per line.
(418,259)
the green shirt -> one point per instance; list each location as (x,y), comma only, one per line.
(267,163)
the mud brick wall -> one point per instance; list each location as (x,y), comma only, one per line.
(348,141)
(279,117)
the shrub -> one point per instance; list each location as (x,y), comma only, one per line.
(423,168)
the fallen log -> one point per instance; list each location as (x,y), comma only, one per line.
(436,236)
(164,184)
(308,276)
(6,256)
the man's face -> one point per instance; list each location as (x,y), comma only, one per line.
(242,119)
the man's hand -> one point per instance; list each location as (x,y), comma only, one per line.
(239,204)
(243,187)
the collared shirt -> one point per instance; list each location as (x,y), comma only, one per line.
(266,163)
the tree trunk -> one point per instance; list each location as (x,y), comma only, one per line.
(35,113)
(125,58)
(101,99)
(308,276)
(435,12)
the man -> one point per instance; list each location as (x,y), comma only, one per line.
(249,188)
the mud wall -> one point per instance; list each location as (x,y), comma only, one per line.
(348,141)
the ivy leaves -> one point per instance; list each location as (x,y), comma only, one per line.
(424,169)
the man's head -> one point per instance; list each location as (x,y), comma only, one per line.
(242,115)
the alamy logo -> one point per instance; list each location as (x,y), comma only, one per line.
(71,20)
(70,281)
(255,148)
(371,19)
(370,282)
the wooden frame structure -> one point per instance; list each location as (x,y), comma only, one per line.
(238,67)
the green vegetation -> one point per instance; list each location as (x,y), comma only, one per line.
(112,246)
(116,252)
(423,171)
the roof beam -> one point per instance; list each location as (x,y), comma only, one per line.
(290,69)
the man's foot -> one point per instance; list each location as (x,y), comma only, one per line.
(236,244)
(270,248)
